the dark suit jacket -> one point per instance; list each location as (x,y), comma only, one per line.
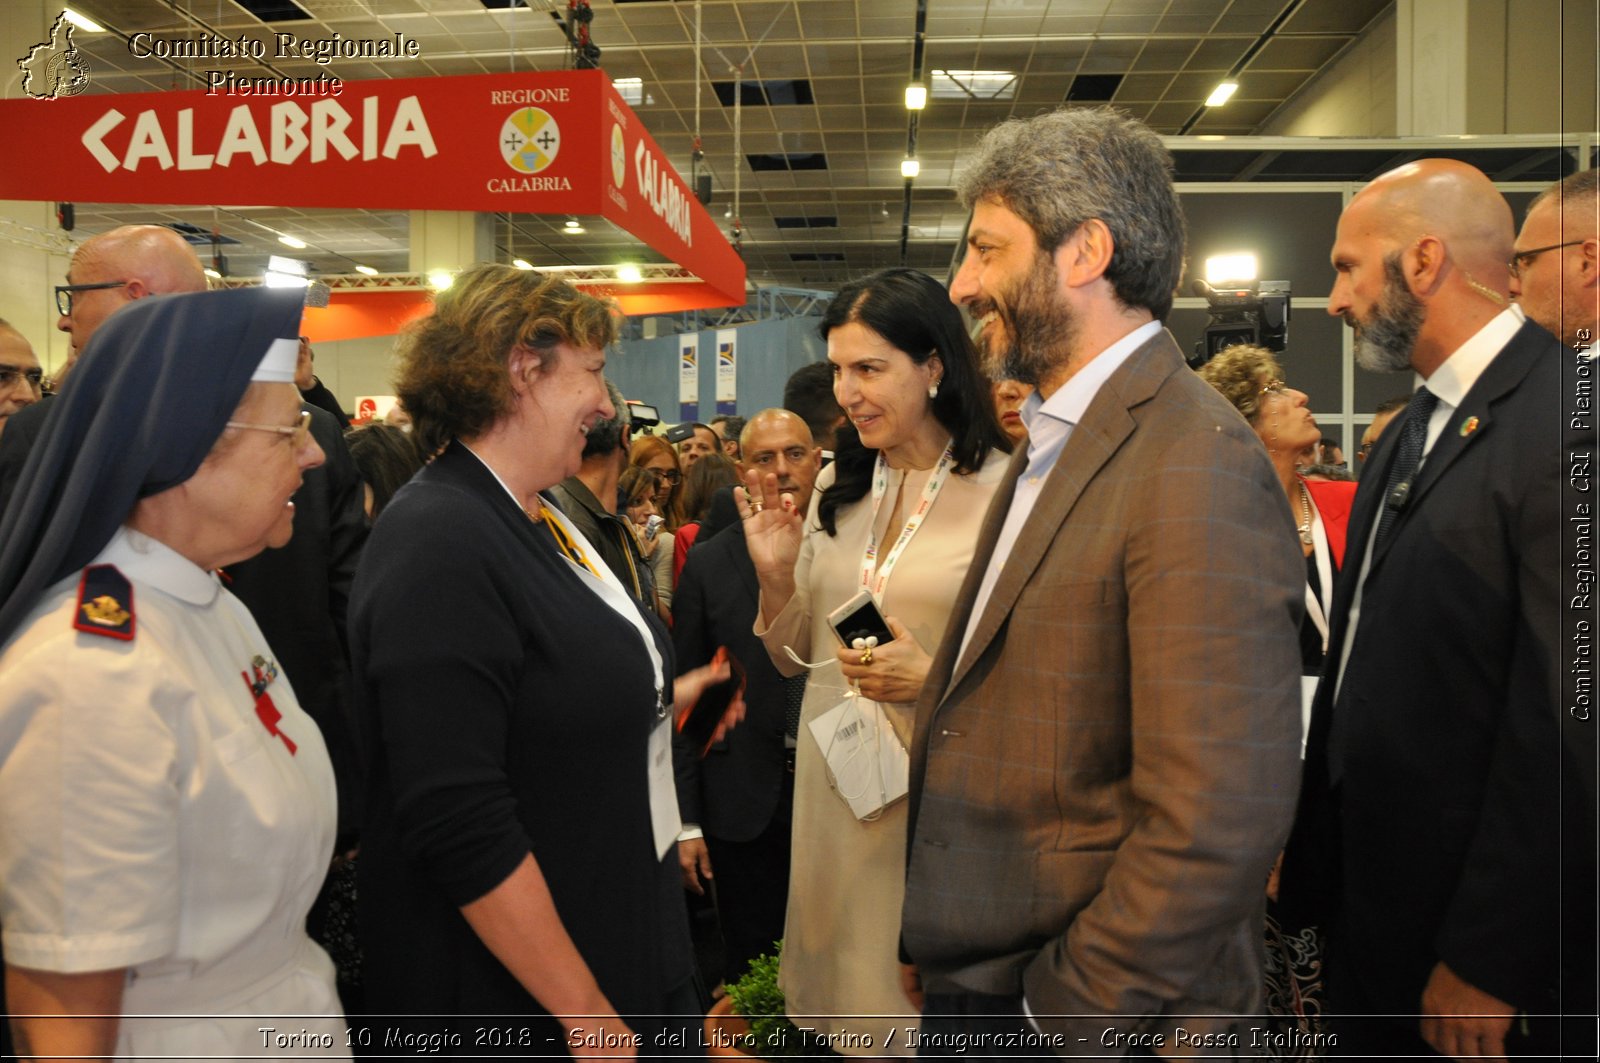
(733,791)
(1434,786)
(16,442)
(1102,781)
(607,533)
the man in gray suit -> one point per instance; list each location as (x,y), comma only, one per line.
(1106,749)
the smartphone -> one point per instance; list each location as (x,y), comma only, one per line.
(652,525)
(859,618)
(699,721)
(679,432)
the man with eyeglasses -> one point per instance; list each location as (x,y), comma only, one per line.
(20,376)
(106,273)
(1555,263)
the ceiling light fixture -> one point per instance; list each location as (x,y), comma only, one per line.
(285,273)
(290,241)
(522,263)
(574,228)
(440,279)
(1222,93)
(628,273)
(83,22)
(916,96)
(366,271)
(909,168)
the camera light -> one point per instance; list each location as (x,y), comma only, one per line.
(1239,266)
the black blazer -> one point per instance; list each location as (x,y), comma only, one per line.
(1434,787)
(733,791)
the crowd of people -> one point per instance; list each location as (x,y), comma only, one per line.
(1062,699)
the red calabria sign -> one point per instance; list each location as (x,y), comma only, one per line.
(557,143)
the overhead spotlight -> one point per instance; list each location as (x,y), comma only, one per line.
(285,273)
(728,213)
(440,279)
(574,228)
(290,241)
(916,96)
(367,271)
(1222,93)
(83,22)
(909,168)
(522,263)
(628,273)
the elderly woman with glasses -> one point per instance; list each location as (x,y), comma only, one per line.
(168,807)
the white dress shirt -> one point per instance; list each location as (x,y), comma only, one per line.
(1050,423)
(1449,384)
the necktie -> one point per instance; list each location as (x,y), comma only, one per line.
(794,692)
(1408,455)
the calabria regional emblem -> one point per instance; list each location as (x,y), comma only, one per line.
(530,140)
(619,157)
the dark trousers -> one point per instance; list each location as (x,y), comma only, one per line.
(752,888)
(975,1026)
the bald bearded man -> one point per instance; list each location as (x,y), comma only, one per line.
(1436,775)
(107,272)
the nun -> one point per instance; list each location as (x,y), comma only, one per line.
(166,807)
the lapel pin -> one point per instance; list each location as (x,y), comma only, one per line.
(1469,426)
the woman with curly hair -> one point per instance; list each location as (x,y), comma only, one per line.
(514,856)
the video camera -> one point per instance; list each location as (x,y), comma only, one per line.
(1242,312)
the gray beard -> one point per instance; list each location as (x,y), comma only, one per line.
(1383,344)
(1039,331)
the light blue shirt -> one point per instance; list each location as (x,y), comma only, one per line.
(1050,423)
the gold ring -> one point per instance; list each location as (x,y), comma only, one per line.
(866,656)
(756,506)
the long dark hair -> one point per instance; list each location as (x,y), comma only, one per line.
(913,312)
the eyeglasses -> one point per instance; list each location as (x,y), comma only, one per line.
(297,433)
(672,476)
(1364,449)
(1273,387)
(1521,259)
(64,293)
(10,374)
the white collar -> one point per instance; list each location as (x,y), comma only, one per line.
(1456,375)
(150,561)
(1072,398)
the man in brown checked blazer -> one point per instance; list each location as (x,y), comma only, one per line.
(1106,753)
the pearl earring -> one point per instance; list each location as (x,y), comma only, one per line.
(933,390)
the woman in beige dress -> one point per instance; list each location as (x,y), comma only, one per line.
(897,514)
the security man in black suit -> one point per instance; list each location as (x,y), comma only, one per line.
(740,794)
(1436,776)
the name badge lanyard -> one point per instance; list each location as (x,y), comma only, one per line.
(880,487)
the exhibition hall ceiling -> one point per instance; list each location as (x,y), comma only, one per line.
(814,151)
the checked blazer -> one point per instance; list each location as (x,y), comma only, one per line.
(1102,781)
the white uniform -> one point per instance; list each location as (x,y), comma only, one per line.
(149,819)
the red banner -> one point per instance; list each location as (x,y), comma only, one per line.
(556,143)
